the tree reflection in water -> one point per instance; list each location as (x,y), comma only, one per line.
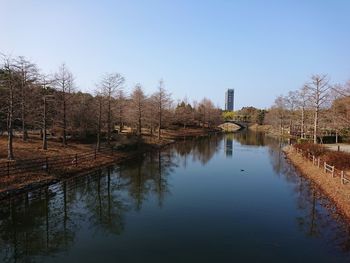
(201,149)
(46,222)
(318,217)
(148,175)
(36,223)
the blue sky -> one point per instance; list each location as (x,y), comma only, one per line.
(200,48)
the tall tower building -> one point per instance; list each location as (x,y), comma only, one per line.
(229,99)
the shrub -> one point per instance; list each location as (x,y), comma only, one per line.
(302,140)
(340,160)
(315,149)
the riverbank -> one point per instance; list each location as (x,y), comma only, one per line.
(331,186)
(180,133)
(125,148)
(37,175)
(260,128)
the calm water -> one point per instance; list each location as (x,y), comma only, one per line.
(218,199)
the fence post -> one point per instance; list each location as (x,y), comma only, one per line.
(313,159)
(324,167)
(76,159)
(318,162)
(342,177)
(333,171)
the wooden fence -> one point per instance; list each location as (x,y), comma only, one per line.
(322,164)
(49,165)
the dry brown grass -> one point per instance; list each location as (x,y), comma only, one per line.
(315,149)
(341,160)
(260,128)
(33,148)
(186,132)
(332,187)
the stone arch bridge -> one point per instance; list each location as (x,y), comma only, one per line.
(233,125)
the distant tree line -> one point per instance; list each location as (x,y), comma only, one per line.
(317,109)
(52,105)
(246,114)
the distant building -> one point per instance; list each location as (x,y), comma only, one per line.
(228,146)
(229,99)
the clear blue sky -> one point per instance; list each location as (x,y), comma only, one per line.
(200,48)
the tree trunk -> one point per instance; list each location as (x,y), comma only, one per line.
(98,145)
(120,124)
(64,137)
(302,135)
(159,131)
(44,127)
(281,126)
(316,125)
(109,122)
(336,136)
(24,130)
(10,155)
(10,143)
(160,122)
(139,124)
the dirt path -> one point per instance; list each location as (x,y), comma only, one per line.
(342,147)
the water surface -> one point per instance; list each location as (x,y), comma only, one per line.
(224,198)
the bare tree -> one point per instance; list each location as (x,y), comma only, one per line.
(151,119)
(341,107)
(163,100)
(302,103)
(8,82)
(291,102)
(121,108)
(64,84)
(184,113)
(27,72)
(137,108)
(99,99)
(109,86)
(342,90)
(44,91)
(280,106)
(208,114)
(46,99)
(338,111)
(318,89)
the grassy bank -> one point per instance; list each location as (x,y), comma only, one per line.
(31,152)
(125,147)
(331,186)
(260,128)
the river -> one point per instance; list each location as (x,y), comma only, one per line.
(223,198)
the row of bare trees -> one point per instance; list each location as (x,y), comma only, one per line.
(53,107)
(318,108)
